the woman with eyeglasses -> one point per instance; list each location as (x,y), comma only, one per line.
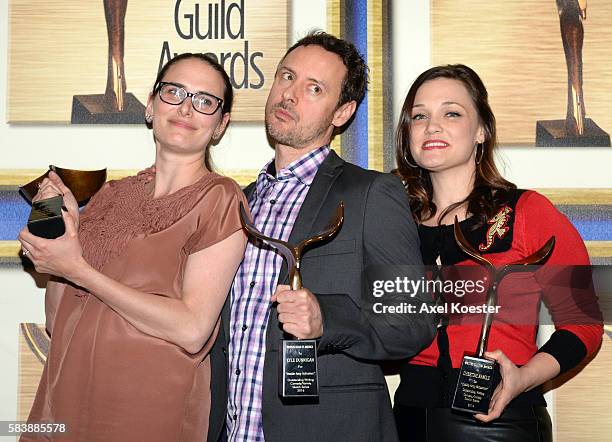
(140,277)
(445,154)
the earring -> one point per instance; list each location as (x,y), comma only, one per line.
(148,118)
(482,149)
(414,166)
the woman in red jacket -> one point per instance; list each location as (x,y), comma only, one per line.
(445,143)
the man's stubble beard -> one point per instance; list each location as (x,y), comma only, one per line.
(296,137)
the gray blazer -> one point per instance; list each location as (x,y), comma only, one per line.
(353,403)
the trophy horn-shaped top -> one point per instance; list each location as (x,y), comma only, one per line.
(293,253)
(82,183)
(333,227)
(290,253)
(540,255)
(535,258)
(467,247)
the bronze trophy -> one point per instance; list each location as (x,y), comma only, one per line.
(478,376)
(298,376)
(116,105)
(576,129)
(46,216)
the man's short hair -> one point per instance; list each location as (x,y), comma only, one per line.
(355,83)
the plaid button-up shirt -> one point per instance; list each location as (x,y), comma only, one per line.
(274,205)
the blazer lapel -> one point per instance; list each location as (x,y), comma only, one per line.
(319,189)
(329,170)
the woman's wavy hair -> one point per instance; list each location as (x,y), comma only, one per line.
(490,188)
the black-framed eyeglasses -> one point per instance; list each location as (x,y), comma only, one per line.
(175,94)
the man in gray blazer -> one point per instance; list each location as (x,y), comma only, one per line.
(317,88)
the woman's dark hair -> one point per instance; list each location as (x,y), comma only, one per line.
(490,188)
(228,91)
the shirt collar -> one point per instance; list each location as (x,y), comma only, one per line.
(303,169)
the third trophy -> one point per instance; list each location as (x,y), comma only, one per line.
(478,375)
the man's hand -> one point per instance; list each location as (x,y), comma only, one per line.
(299,312)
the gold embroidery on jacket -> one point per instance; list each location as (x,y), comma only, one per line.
(498,227)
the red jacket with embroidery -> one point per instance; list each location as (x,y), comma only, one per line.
(519,229)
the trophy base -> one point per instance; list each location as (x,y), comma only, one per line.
(477,380)
(552,133)
(94,109)
(298,370)
(46,218)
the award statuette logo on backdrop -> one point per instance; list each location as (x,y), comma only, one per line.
(116,105)
(298,375)
(46,216)
(478,376)
(576,129)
